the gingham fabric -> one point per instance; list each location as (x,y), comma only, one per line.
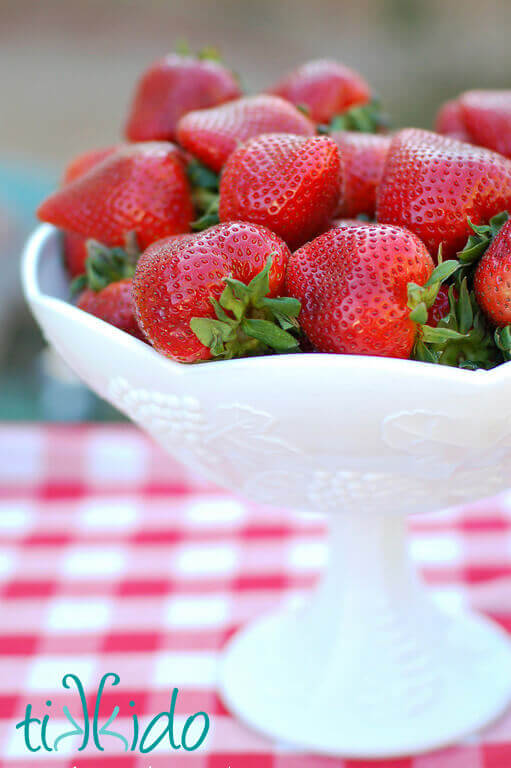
(113,558)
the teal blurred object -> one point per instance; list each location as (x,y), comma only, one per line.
(22,189)
(33,385)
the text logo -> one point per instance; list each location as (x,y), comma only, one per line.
(91,730)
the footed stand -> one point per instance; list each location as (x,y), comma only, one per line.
(368,666)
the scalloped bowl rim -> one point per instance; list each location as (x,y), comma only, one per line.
(371,364)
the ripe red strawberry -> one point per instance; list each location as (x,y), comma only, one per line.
(440,308)
(213,134)
(104,287)
(449,121)
(352,282)
(75,253)
(170,88)
(192,300)
(140,188)
(433,185)
(492,281)
(324,87)
(487,119)
(290,184)
(480,117)
(363,156)
(114,305)
(75,248)
(83,163)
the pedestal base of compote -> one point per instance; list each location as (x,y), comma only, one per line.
(369,666)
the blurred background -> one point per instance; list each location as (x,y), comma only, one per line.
(68,67)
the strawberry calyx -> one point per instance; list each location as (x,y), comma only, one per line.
(464,338)
(202,177)
(422,297)
(482,237)
(248,322)
(205,185)
(105,265)
(208,207)
(503,341)
(208,53)
(365,118)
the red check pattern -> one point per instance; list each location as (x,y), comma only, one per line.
(113,558)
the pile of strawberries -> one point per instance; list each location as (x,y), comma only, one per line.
(228,225)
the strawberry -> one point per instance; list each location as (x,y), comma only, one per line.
(212,135)
(432,185)
(363,156)
(74,245)
(325,88)
(440,308)
(487,118)
(290,184)
(83,163)
(449,121)
(213,294)
(170,88)
(352,283)
(75,253)
(480,117)
(105,287)
(114,305)
(140,188)
(492,280)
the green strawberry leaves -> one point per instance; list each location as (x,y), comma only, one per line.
(208,53)
(106,265)
(209,216)
(205,192)
(503,341)
(464,338)
(422,297)
(248,322)
(201,177)
(367,118)
(478,243)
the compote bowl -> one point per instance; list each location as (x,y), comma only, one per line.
(368,665)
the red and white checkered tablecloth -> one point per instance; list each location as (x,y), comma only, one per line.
(115,559)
